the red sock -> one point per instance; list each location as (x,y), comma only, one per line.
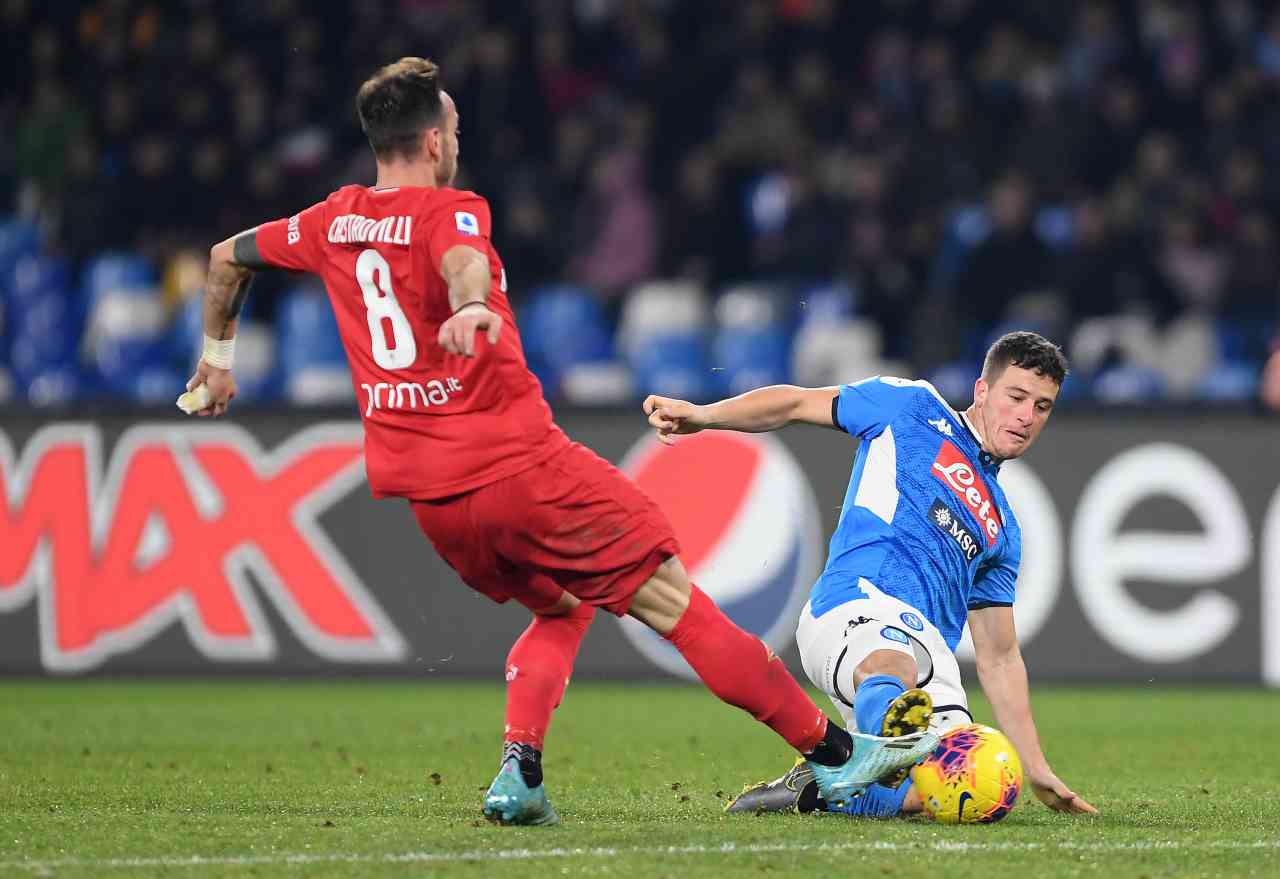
(742,671)
(538,670)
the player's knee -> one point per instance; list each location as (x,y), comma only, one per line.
(564,605)
(582,612)
(663,598)
(887,662)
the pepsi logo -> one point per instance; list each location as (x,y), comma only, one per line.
(749,530)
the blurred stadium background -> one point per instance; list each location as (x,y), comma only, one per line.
(691,198)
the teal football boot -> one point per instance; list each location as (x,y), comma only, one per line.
(873,758)
(511,801)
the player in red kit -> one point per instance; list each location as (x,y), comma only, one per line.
(456,424)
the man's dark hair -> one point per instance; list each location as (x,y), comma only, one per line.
(1027,350)
(397,104)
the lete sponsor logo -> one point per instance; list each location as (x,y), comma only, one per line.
(173,532)
(953,468)
(749,529)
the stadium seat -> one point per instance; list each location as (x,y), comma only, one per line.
(1129,383)
(751,345)
(32,279)
(751,308)
(18,238)
(1230,382)
(33,276)
(839,351)
(256,362)
(743,359)
(1232,338)
(156,384)
(310,352)
(1097,341)
(59,386)
(660,308)
(674,365)
(112,271)
(186,331)
(1075,389)
(1055,226)
(563,327)
(968,227)
(827,302)
(599,383)
(954,380)
(125,336)
(1243,338)
(45,334)
(768,203)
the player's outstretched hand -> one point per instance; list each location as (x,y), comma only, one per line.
(221,387)
(458,333)
(1057,796)
(669,416)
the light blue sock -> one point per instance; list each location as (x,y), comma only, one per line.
(871,701)
(877,801)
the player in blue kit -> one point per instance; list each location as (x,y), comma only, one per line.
(926,542)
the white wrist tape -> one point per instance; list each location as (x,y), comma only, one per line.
(219,353)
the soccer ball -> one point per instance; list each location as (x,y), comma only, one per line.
(972,777)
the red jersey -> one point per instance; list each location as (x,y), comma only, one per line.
(436,424)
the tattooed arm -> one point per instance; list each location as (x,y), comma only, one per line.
(231,267)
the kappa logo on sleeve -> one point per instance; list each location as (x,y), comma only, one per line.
(467,223)
(943,426)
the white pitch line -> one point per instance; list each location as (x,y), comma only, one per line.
(526,854)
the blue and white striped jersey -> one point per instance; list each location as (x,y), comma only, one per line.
(924,518)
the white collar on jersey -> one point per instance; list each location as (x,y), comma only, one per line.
(987,457)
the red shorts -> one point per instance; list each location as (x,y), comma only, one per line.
(571,523)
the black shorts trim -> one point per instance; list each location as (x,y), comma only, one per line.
(835,673)
(925,650)
(835,677)
(938,709)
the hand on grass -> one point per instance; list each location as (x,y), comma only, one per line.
(1050,790)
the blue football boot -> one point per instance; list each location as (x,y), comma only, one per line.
(873,758)
(511,801)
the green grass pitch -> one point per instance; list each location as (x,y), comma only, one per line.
(235,778)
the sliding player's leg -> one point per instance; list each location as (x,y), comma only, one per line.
(742,671)
(939,673)
(869,669)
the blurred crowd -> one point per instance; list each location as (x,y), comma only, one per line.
(882,184)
